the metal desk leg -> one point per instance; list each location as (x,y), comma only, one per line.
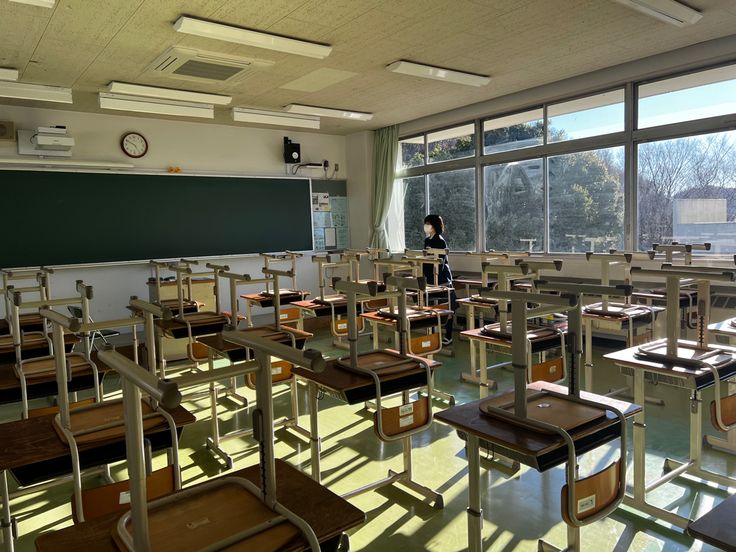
(639,439)
(213,441)
(314,441)
(729,443)
(588,355)
(376,344)
(7,522)
(475,511)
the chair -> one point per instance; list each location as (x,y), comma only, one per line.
(76,312)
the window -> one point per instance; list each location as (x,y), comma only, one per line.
(411,152)
(415,209)
(585,117)
(452,196)
(521,130)
(586,201)
(687,191)
(451,143)
(689,97)
(514,206)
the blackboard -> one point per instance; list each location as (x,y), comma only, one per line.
(57,218)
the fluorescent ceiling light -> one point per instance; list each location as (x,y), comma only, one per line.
(8,74)
(40,3)
(262,117)
(228,33)
(328,112)
(116,87)
(669,11)
(438,73)
(39,92)
(159,107)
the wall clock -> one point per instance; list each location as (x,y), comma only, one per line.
(134,145)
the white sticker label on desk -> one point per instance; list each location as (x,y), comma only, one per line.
(406,409)
(342,326)
(426,343)
(124,498)
(406,420)
(585,504)
(276,371)
(284,316)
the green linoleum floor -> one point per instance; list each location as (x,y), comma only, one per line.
(517,509)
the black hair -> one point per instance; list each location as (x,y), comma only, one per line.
(436,222)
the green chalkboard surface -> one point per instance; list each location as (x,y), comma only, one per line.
(55,218)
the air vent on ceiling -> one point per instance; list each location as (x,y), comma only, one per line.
(189,64)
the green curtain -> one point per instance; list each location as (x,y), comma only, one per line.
(385,148)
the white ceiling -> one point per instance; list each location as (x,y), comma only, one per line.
(85,44)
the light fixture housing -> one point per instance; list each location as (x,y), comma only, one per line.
(40,3)
(277,118)
(116,87)
(328,112)
(257,39)
(669,11)
(8,74)
(437,73)
(38,92)
(140,104)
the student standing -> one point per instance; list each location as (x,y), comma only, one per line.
(434,227)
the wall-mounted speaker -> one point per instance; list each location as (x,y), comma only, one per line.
(7,131)
(292,151)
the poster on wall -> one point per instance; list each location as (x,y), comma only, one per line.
(320,201)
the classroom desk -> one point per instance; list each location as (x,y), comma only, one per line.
(472,303)
(540,338)
(540,451)
(217,346)
(29,322)
(692,380)
(326,513)
(30,349)
(354,388)
(265,300)
(33,452)
(633,318)
(419,319)
(717,527)
(725,329)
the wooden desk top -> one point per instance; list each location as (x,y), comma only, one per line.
(717,527)
(538,450)
(723,328)
(31,441)
(327,514)
(267,300)
(202,323)
(354,388)
(236,352)
(539,342)
(689,377)
(429,315)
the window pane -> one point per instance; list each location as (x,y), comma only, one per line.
(452,196)
(452,143)
(591,116)
(521,130)
(514,203)
(687,191)
(586,201)
(689,97)
(415,209)
(411,152)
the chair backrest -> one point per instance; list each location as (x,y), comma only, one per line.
(594,493)
(75,311)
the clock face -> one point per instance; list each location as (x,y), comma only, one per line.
(134,145)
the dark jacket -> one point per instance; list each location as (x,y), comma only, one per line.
(444,272)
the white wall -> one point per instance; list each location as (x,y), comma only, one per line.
(195,147)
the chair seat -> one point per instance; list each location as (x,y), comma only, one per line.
(40,368)
(107,412)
